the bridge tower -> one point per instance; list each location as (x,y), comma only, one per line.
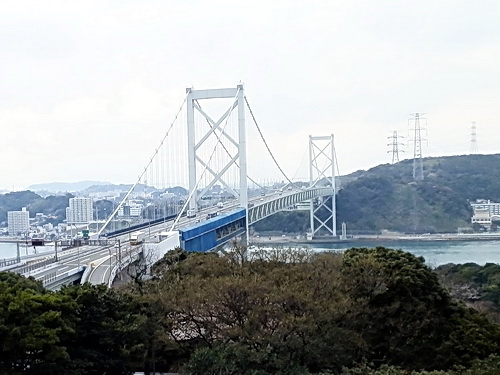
(216,132)
(322,170)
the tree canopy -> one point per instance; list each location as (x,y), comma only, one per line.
(364,312)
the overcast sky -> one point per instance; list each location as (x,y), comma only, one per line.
(88,87)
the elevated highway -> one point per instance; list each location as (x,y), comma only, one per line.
(99,265)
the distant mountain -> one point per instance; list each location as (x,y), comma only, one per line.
(62,187)
(178,190)
(105,187)
(53,206)
(139,188)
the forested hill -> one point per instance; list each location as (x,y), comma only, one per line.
(386,197)
(54,206)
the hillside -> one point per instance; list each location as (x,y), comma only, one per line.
(53,206)
(56,187)
(386,197)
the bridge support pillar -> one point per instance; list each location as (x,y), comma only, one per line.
(216,139)
(322,171)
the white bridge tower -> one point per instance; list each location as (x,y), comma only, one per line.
(322,170)
(215,135)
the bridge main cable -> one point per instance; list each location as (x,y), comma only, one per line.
(145,169)
(265,143)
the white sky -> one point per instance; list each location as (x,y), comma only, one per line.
(88,87)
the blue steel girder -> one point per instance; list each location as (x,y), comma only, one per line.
(214,232)
(265,209)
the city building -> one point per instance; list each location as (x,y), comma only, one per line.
(79,211)
(492,207)
(484,211)
(130,210)
(18,222)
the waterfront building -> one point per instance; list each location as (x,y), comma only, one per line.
(79,211)
(484,211)
(485,204)
(18,222)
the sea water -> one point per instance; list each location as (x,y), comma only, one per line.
(435,253)
(9,249)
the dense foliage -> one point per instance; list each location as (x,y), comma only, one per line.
(478,286)
(365,312)
(284,222)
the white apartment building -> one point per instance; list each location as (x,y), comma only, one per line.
(485,204)
(484,210)
(79,211)
(18,222)
(130,210)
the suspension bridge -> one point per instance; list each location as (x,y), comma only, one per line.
(207,147)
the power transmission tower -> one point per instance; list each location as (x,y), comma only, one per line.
(418,167)
(395,146)
(473,139)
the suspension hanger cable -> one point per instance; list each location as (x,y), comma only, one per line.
(145,169)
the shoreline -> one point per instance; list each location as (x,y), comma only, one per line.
(266,240)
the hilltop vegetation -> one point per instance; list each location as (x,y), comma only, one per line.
(478,286)
(367,311)
(53,206)
(386,197)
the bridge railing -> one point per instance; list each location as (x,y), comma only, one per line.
(41,263)
(82,242)
(54,280)
(125,261)
(7,262)
(47,279)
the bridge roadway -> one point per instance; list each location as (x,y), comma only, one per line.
(103,262)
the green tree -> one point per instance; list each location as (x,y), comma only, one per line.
(33,325)
(106,337)
(406,316)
